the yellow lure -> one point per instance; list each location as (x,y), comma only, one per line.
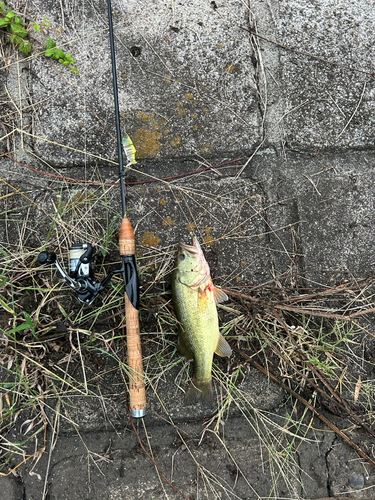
(129,149)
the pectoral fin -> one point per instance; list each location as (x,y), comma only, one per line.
(223,348)
(219,295)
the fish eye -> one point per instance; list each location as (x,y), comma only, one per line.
(181,257)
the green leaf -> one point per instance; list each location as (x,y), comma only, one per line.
(2,7)
(36,27)
(19,30)
(25,47)
(58,55)
(49,43)
(18,328)
(45,23)
(5,306)
(28,320)
(74,70)
(3,21)
(18,40)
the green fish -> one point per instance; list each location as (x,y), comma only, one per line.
(194,299)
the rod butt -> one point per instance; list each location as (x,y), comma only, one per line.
(138,413)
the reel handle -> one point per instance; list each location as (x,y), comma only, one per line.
(47,258)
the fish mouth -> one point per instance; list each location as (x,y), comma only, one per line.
(191,250)
(188,249)
(199,264)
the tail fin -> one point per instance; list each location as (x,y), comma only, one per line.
(200,392)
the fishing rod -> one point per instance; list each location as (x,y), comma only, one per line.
(81,266)
(129,270)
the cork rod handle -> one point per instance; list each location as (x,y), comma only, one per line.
(133,340)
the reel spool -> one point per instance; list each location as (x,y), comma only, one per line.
(80,260)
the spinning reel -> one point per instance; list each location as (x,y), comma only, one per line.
(81,273)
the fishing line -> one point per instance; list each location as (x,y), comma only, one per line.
(87,198)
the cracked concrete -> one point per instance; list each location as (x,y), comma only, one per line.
(346,474)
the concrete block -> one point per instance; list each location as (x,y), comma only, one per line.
(185,76)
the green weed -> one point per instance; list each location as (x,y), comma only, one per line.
(19,36)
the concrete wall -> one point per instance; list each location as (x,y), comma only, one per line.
(287,86)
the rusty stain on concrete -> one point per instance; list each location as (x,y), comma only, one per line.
(208,240)
(206,149)
(180,109)
(167,221)
(144,117)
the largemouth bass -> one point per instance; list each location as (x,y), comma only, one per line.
(194,299)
